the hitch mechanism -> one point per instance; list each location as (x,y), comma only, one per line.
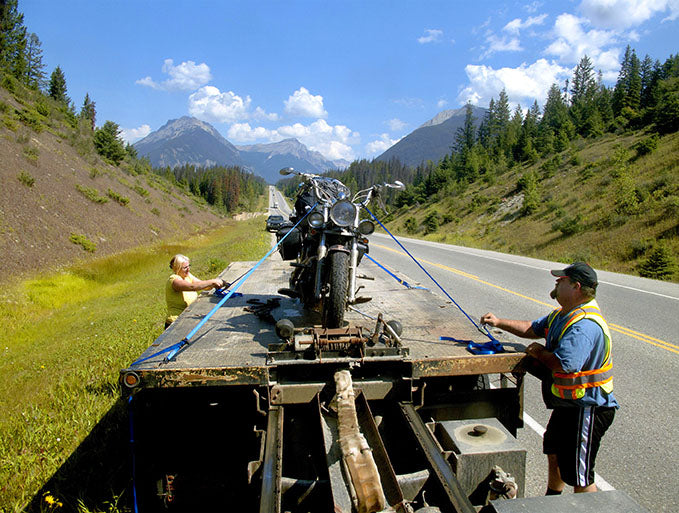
(319,343)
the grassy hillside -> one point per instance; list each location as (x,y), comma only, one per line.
(613,201)
(60,201)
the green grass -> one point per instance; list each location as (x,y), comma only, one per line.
(83,241)
(91,194)
(66,336)
(26,179)
(118,198)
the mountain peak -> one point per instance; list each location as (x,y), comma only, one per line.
(432,140)
(443,116)
(188,140)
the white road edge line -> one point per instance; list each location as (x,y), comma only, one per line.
(481,255)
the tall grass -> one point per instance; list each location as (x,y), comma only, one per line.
(65,337)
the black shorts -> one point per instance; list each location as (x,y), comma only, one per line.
(574,435)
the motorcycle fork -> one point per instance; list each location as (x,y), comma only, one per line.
(353,264)
(322,252)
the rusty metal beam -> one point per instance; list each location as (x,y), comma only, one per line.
(173,378)
(442,470)
(469,365)
(270,501)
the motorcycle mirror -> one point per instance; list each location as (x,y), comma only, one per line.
(286,171)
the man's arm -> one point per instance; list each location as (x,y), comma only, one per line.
(544,356)
(521,329)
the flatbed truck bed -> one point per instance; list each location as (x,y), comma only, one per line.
(231,347)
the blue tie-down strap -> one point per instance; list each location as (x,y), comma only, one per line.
(492,347)
(224,291)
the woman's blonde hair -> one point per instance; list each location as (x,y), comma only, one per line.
(177,262)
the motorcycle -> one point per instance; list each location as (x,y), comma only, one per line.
(328,245)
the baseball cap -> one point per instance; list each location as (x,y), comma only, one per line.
(580,272)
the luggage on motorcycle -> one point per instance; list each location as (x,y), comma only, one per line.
(290,247)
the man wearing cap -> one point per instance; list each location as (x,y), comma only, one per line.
(578,382)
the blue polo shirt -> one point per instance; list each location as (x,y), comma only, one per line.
(581,348)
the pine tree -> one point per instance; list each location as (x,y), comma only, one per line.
(35,69)
(484,127)
(108,143)
(627,91)
(648,72)
(584,83)
(500,126)
(57,86)
(465,136)
(660,263)
(584,109)
(525,146)
(88,111)
(12,39)
(556,128)
(604,102)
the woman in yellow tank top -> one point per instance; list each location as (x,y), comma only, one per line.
(182,287)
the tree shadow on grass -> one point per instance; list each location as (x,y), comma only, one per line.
(98,472)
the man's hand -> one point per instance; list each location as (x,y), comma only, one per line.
(535,350)
(489,319)
(543,355)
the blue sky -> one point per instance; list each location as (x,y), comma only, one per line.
(346,78)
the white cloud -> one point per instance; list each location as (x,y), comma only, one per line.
(333,142)
(442,103)
(523,84)
(396,124)
(303,103)
(516,25)
(622,14)
(573,42)
(187,76)
(244,133)
(259,113)
(379,146)
(131,135)
(432,36)
(501,44)
(210,104)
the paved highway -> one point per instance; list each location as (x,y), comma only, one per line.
(640,452)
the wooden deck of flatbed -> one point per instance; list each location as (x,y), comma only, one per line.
(231,347)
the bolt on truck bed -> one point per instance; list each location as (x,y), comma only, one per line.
(232,423)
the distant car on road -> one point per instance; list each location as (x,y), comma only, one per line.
(273,223)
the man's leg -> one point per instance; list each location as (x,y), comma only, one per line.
(555,484)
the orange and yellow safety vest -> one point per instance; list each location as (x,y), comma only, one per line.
(572,385)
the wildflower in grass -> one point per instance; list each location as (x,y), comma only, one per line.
(52,503)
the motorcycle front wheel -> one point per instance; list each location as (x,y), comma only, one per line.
(338,278)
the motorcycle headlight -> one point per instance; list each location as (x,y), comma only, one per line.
(315,219)
(366,227)
(343,213)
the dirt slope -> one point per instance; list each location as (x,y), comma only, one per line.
(36,221)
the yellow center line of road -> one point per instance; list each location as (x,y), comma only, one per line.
(614,327)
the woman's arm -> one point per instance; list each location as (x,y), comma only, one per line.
(182,285)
